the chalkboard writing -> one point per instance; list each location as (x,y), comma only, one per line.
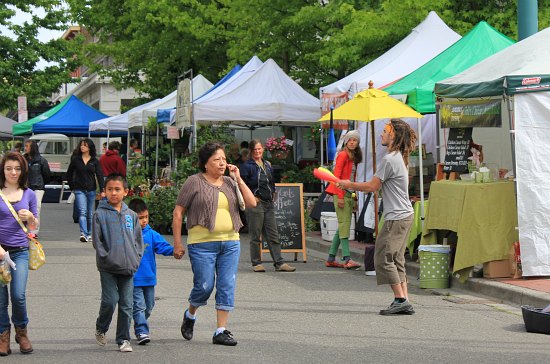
(458,149)
(289,214)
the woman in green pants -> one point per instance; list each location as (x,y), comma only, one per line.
(345,169)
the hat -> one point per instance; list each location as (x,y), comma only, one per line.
(351,134)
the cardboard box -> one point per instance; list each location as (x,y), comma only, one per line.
(497,269)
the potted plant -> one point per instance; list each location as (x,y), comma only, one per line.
(278,147)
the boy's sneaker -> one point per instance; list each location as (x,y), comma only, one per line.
(224,338)
(398,308)
(83,238)
(143,339)
(125,347)
(100,338)
(187,327)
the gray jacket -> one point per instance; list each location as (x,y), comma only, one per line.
(117,239)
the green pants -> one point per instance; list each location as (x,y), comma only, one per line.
(344,224)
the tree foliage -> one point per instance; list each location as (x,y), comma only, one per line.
(22,51)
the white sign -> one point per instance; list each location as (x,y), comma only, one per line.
(183,104)
(22,113)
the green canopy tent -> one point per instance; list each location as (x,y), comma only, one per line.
(25,127)
(481,42)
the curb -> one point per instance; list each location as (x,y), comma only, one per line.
(497,291)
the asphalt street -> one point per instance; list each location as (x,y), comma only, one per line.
(314,315)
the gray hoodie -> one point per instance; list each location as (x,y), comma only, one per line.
(117,239)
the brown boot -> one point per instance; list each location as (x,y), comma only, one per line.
(5,343)
(23,340)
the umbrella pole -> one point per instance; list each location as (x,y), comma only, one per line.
(420,156)
(375,194)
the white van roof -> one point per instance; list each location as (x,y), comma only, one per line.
(50,136)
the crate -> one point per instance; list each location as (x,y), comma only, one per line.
(329,225)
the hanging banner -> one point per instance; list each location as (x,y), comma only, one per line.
(172,132)
(183,104)
(471,113)
(334,100)
(520,84)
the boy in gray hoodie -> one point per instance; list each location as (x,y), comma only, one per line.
(118,243)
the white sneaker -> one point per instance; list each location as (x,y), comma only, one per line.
(370,273)
(89,239)
(125,347)
(83,238)
(100,338)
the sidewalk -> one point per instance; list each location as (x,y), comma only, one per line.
(532,292)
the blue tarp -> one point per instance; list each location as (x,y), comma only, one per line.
(163,115)
(72,120)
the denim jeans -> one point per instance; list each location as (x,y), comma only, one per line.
(214,263)
(262,223)
(144,301)
(17,288)
(115,289)
(85,202)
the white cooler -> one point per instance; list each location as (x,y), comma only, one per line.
(329,225)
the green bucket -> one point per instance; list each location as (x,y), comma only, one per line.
(434,266)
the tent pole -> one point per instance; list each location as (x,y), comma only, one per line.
(421,173)
(510,103)
(157,156)
(128,151)
(375,194)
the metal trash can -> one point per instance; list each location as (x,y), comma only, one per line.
(434,266)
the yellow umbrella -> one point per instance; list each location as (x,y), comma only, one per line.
(373,104)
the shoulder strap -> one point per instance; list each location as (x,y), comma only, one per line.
(10,207)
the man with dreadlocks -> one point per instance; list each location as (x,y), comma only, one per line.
(393,177)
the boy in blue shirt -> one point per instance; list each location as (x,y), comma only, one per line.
(145,278)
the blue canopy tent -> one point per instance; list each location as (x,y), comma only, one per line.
(72,120)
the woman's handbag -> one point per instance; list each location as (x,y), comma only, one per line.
(37,258)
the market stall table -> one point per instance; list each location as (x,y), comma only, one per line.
(484,216)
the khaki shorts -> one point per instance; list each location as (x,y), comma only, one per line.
(389,251)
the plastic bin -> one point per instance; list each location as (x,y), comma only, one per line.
(434,266)
(329,225)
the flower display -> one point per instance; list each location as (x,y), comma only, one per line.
(277,144)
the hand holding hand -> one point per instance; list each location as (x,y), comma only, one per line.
(179,251)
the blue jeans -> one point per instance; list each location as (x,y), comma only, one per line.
(115,289)
(214,263)
(85,202)
(17,288)
(144,301)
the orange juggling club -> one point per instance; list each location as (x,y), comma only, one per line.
(325,175)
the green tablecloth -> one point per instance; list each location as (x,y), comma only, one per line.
(484,216)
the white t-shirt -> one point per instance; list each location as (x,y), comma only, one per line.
(395,187)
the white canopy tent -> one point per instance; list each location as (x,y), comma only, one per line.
(425,41)
(258,93)
(138,118)
(6,125)
(118,122)
(521,75)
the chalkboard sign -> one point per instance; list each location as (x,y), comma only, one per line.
(458,149)
(289,214)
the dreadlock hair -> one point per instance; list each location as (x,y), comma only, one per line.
(404,139)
